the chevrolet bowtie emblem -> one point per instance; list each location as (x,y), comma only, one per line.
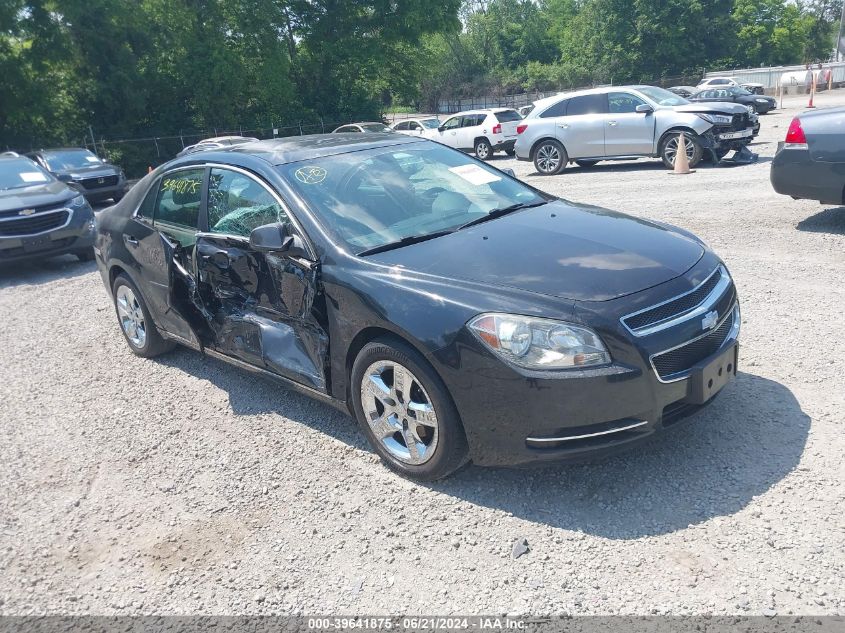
(710,320)
(26,212)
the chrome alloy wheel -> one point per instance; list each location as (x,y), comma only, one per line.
(399,412)
(482,151)
(548,158)
(672,148)
(131,316)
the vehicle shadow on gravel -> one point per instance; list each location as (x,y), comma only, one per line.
(747,441)
(827,221)
(31,273)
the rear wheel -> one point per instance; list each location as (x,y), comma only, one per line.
(483,150)
(135,322)
(669,148)
(406,412)
(550,157)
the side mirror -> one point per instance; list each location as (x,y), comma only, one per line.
(644,108)
(441,128)
(276,238)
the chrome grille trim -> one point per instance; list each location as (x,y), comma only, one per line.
(721,287)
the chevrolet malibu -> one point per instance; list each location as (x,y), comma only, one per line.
(457,313)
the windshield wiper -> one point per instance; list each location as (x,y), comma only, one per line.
(497,213)
(405,241)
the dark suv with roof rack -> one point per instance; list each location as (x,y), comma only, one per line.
(84,171)
(40,216)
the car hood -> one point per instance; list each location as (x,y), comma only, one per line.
(718,107)
(35,196)
(93,171)
(561,249)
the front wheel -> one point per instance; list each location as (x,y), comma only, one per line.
(550,157)
(669,148)
(85,254)
(406,412)
(483,150)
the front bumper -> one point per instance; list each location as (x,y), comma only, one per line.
(514,416)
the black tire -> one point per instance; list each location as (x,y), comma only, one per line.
(117,197)
(550,157)
(154,344)
(695,151)
(450,452)
(483,149)
(85,254)
(586,164)
(510,152)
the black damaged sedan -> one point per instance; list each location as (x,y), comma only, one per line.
(459,314)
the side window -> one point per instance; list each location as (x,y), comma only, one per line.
(623,103)
(470,120)
(401,126)
(148,205)
(237,204)
(558,109)
(453,123)
(413,125)
(178,200)
(587,104)
(345,129)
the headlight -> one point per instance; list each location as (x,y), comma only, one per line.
(761,100)
(716,119)
(535,343)
(78,201)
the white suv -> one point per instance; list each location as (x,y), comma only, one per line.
(481,131)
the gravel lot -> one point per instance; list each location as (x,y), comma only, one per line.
(182,485)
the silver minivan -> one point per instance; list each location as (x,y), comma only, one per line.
(626,122)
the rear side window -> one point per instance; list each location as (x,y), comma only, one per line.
(507,116)
(558,109)
(178,201)
(587,104)
(472,120)
(149,204)
(402,126)
(237,204)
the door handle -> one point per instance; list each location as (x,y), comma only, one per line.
(565,126)
(130,240)
(612,123)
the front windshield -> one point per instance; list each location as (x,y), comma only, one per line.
(661,96)
(21,172)
(379,196)
(71,159)
(430,123)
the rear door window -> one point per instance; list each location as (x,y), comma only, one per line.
(178,202)
(587,104)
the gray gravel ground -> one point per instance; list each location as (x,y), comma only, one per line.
(182,485)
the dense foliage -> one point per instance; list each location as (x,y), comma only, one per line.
(155,67)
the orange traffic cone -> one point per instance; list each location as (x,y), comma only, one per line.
(681,158)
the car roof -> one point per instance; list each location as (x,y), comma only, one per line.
(281,151)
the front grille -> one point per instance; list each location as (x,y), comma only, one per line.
(33,224)
(97,183)
(40,209)
(740,122)
(674,308)
(682,359)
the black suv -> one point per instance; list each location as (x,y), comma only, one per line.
(83,170)
(40,216)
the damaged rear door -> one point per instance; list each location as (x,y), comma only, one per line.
(260,306)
